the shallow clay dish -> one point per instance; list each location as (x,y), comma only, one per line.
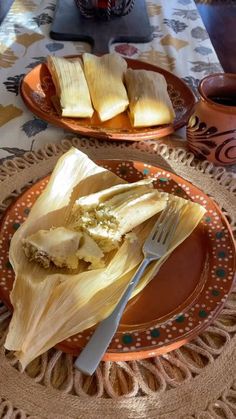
(37,89)
(183,298)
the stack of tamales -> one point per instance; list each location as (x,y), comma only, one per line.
(106,85)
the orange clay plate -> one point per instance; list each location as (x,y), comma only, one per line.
(183,298)
(37,89)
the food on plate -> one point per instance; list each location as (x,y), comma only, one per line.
(149,101)
(71,87)
(105,77)
(62,247)
(70,274)
(56,245)
(106,85)
(109,214)
(96,224)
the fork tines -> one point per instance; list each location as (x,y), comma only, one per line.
(167,223)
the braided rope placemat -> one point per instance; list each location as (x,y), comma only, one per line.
(196,381)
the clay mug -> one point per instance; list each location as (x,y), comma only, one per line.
(211,130)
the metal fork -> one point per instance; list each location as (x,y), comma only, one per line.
(155,246)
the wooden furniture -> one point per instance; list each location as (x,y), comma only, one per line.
(219,19)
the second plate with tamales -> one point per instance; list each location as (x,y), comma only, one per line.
(40,94)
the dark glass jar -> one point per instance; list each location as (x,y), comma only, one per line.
(104,9)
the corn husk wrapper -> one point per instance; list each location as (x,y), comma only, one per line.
(71,87)
(149,101)
(51,305)
(105,80)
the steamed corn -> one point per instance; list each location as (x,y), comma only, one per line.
(62,247)
(96,225)
(71,87)
(149,102)
(108,215)
(105,80)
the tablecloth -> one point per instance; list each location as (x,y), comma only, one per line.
(180,44)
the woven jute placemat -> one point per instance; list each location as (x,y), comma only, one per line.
(196,381)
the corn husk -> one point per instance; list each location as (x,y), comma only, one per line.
(52,305)
(109,214)
(149,101)
(71,87)
(105,80)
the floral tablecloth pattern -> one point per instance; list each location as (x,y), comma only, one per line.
(180,44)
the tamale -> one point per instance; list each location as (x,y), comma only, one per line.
(105,76)
(57,246)
(96,224)
(62,247)
(149,101)
(107,215)
(50,306)
(71,87)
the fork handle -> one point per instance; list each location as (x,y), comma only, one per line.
(93,352)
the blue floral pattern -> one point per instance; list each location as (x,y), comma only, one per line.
(175,25)
(13,83)
(42,19)
(187,14)
(203,50)
(34,127)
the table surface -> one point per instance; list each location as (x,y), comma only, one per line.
(181,45)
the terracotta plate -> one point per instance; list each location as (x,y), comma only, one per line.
(37,89)
(188,292)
